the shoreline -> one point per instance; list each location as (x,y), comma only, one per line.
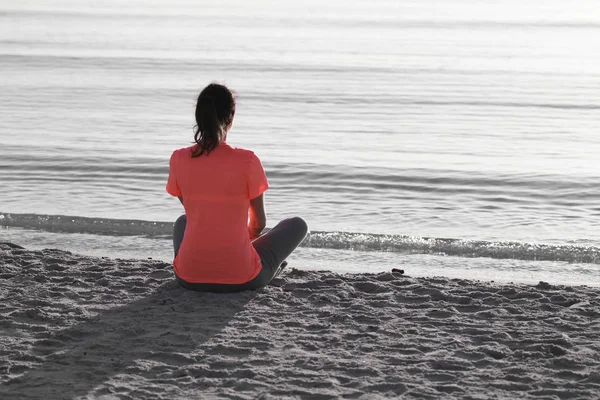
(335,260)
(81,326)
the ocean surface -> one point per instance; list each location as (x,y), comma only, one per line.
(456,137)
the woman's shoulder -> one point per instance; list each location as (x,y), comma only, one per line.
(182,152)
(242,153)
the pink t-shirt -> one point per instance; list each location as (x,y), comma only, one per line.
(216,191)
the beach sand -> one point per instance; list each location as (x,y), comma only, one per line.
(76,326)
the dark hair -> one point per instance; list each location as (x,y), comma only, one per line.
(214,111)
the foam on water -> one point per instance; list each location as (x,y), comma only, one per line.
(322,240)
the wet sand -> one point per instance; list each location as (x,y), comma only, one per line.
(74,326)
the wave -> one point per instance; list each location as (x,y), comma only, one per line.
(414,99)
(25,166)
(321,239)
(19,163)
(289,19)
(167,61)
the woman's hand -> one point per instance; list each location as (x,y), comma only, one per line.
(253,234)
(258,217)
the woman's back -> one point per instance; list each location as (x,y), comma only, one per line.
(216,190)
(218,243)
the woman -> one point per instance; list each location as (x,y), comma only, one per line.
(217,247)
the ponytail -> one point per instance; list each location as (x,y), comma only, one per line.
(214,111)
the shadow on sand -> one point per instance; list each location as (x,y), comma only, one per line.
(158,336)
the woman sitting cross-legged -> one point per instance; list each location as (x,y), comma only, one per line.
(217,248)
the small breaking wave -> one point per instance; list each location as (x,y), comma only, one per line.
(321,239)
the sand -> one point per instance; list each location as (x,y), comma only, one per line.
(82,327)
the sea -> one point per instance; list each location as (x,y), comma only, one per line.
(455,138)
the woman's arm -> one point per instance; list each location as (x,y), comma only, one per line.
(258,216)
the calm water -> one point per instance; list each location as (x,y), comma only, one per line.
(443,119)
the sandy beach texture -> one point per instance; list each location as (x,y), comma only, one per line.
(83,327)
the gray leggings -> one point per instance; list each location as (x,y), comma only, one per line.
(273,248)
